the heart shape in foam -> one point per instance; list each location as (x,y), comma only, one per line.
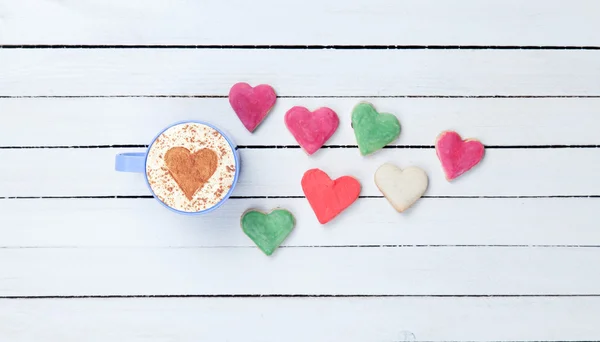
(457,155)
(191,170)
(311,129)
(402,188)
(251,104)
(373,130)
(267,230)
(329,197)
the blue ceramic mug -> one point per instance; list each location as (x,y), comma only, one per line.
(190,167)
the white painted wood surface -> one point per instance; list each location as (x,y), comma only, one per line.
(509,252)
(108,121)
(362,73)
(328,319)
(299,271)
(277,172)
(114,223)
(271,22)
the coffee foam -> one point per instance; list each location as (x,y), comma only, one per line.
(194,137)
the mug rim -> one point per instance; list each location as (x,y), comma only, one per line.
(236,158)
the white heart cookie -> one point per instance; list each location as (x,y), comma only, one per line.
(402,188)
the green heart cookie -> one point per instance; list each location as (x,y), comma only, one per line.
(268,230)
(373,130)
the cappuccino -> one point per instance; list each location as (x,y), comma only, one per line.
(191,167)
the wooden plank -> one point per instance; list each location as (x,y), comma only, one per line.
(315,319)
(370,222)
(299,72)
(277,172)
(470,22)
(103,121)
(293,271)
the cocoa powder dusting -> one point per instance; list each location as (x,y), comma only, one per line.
(219,192)
(191,170)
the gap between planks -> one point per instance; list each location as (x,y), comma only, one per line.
(296,197)
(263,147)
(304,296)
(297,47)
(312,246)
(198,96)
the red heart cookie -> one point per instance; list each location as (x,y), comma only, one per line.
(329,197)
(251,104)
(457,155)
(311,129)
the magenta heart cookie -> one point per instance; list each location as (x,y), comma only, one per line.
(311,129)
(457,155)
(251,104)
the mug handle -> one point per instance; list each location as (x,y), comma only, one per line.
(131,162)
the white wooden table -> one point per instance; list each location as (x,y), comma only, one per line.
(509,252)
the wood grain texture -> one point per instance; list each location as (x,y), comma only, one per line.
(277,172)
(408,22)
(449,269)
(140,223)
(321,319)
(105,121)
(312,271)
(299,72)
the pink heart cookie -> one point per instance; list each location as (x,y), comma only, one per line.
(311,129)
(251,104)
(457,155)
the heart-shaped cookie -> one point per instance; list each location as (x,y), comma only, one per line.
(251,104)
(373,130)
(457,155)
(268,230)
(329,197)
(311,129)
(402,188)
(191,170)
